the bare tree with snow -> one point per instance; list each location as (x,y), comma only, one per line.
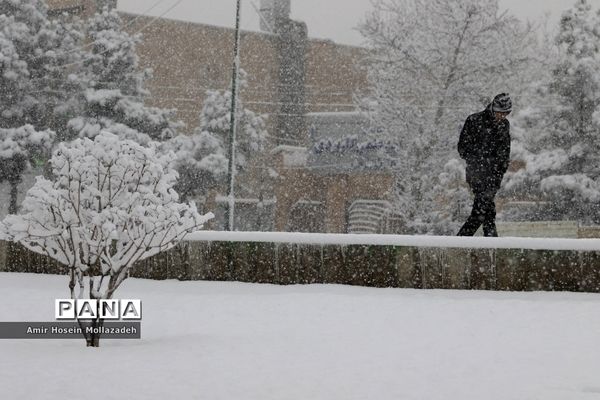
(432,63)
(110,204)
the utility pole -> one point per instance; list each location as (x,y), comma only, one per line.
(233,125)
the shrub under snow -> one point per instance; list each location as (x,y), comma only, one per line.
(111,203)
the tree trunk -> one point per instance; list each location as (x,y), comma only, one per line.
(14,192)
(93,339)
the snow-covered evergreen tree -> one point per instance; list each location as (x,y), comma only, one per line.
(200,160)
(36,92)
(561,141)
(109,204)
(215,118)
(19,149)
(114,92)
(434,62)
(36,88)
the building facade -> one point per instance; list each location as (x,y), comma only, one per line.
(290,77)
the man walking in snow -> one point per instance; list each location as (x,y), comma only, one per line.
(485,145)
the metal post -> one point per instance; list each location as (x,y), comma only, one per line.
(232,129)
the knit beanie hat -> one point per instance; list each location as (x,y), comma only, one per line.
(502,103)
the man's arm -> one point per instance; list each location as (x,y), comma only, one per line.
(465,143)
(504,151)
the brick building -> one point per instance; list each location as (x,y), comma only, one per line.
(290,78)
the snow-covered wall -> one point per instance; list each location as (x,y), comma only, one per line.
(554,244)
(398,264)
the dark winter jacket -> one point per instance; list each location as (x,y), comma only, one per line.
(485,145)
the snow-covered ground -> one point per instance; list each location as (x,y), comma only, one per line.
(213,341)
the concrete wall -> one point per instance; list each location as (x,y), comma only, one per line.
(375,266)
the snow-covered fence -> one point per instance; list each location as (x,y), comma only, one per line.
(517,264)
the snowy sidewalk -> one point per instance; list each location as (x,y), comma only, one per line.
(238,341)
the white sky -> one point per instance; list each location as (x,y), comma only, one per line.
(328,19)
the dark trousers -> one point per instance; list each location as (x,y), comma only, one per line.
(484,212)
